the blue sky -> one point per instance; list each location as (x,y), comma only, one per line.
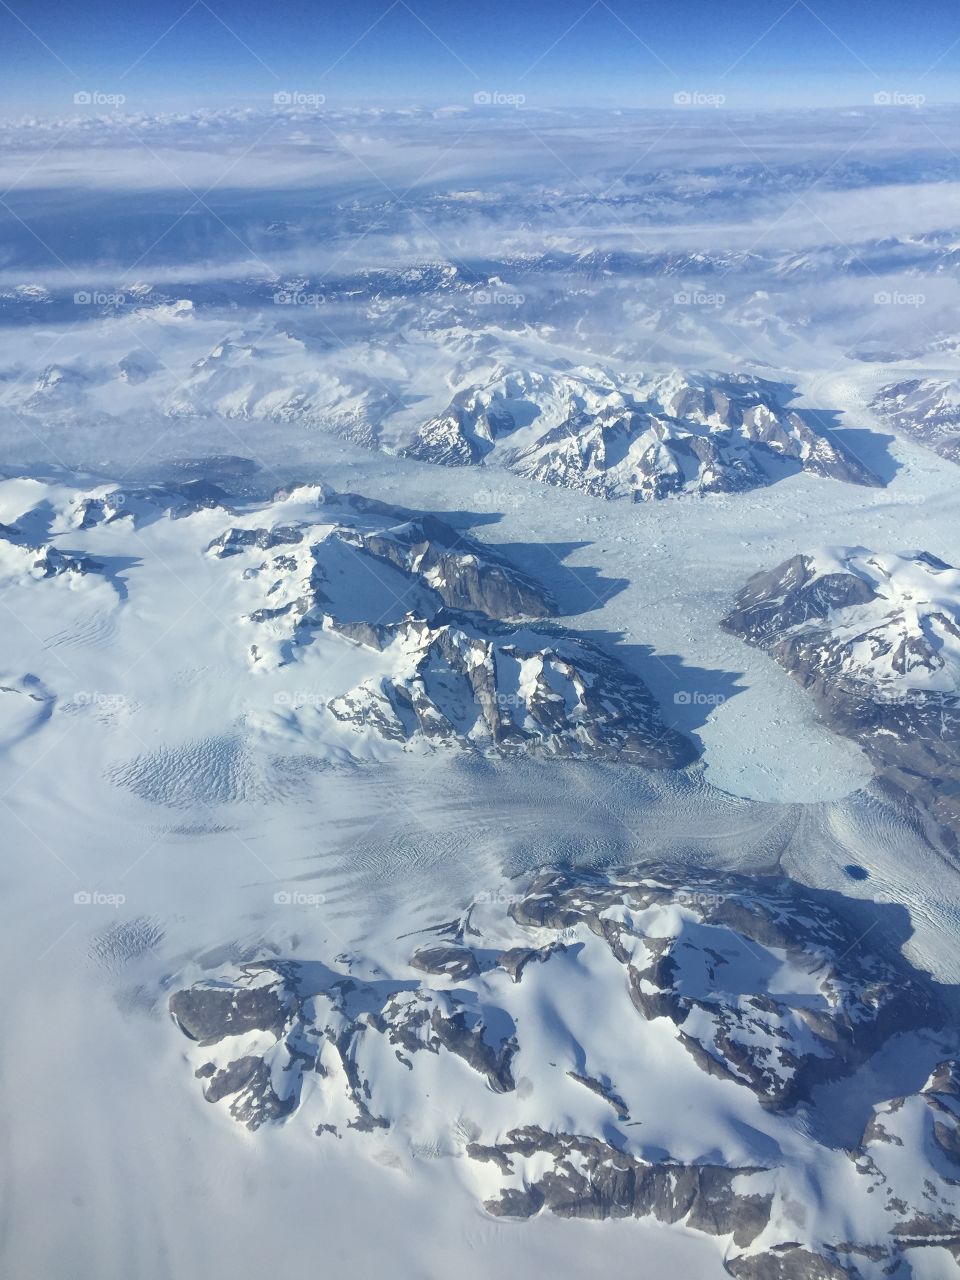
(554,52)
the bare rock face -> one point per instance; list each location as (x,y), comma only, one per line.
(464,574)
(258,1007)
(789,1263)
(446,962)
(262,1013)
(143,504)
(371,630)
(468,429)
(589,1178)
(876,640)
(645,440)
(51,562)
(260,1002)
(550,1041)
(434,1021)
(233,541)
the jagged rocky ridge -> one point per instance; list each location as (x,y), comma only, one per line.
(463,573)
(876,641)
(679,433)
(561,1033)
(925,410)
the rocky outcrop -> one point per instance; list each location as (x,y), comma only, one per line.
(464,574)
(875,639)
(788,1263)
(924,410)
(910,1158)
(588,1178)
(20,558)
(451,962)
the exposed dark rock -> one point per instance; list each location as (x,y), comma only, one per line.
(207,1014)
(516,959)
(789,1264)
(233,541)
(717,954)
(755,1038)
(448,962)
(924,410)
(900,703)
(578,701)
(591,1179)
(464,574)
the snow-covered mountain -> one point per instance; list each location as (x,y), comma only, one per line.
(359,630)
(613,1045)
(449,388)
(925,410)
(876,639)
(677,433)
(153,362)
(405,607)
